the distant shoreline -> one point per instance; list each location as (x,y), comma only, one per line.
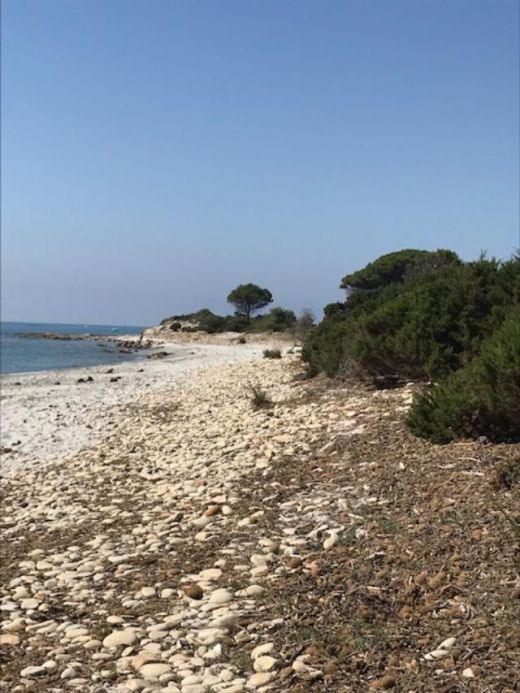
(67,337)
(51,414)
(31,347)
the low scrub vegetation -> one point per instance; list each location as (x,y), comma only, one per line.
(429,316)
(276,320)
(247,299)
(260,398)
(272,354)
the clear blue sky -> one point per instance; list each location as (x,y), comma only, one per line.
(158,152)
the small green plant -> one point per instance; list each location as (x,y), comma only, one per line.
(389,524)
(272,354)
(241,660)
(260,398)
(304,634)
(348,538)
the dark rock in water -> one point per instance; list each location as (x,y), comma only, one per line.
(50,335)
(141,370)
(18,383)
(57,382)
(110,370)
(90,379)
(115,379)
(80,380)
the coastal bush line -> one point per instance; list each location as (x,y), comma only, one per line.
(276,320)
(429,316)
(247,299)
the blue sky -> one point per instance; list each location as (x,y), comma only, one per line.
(156,153)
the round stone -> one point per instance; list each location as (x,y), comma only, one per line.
(120,638)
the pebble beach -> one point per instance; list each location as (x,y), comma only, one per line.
(161,533)
(49,414)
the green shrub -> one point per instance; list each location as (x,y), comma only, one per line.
(324,348)
(426,326)
(398,267)
(212,324)
(435,325)
(277,320)
(481,399)
(233,323)
(272,354)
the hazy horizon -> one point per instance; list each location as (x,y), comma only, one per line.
(156,154)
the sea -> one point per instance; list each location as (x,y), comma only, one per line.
(19,354)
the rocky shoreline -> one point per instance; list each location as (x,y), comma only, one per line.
(311,544)
(124,344)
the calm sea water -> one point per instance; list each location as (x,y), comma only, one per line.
(24,354)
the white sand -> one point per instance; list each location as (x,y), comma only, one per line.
(42,421)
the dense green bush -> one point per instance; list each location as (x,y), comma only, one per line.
(481,399)
(425,327)
(398,267)
(277,320)
(429,316)
(324,348)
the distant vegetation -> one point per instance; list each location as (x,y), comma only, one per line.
(247,299)
(429,316)
(277,320)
